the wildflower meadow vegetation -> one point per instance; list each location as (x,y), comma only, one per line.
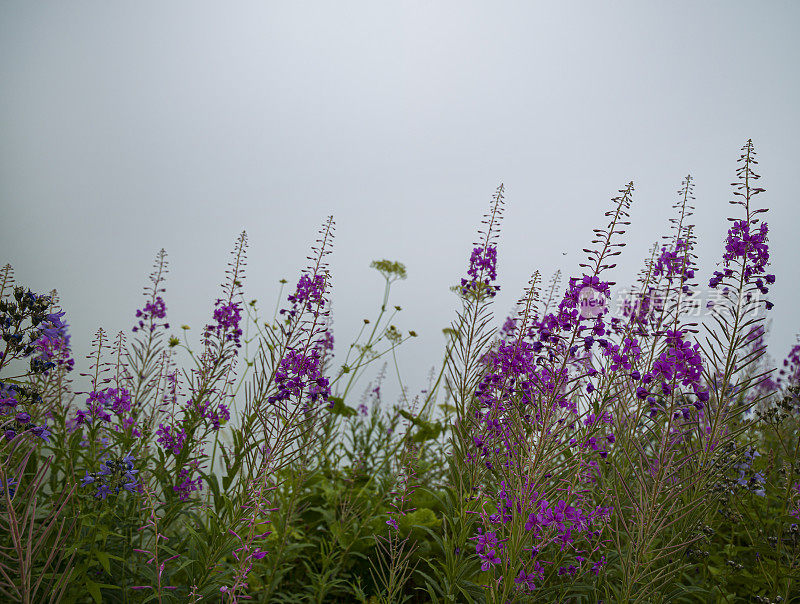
(575,451)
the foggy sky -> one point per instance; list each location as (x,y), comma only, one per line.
(128,127)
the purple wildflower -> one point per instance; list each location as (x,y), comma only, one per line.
(482,272)
(749,247)
(227,317)
(151,311)
(171,438)
(299,374)
(113,475)
(310,291)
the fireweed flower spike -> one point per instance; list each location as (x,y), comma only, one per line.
(140,359)
(665,285)
(150,312)
(298,375)
(227,312)
(746,252)
(482,270)
(286,406)
(470,330)
(740,284)
(468,341)
(183,435)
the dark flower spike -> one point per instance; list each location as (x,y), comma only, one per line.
(122,374)
(21,339)
(6,281)
(492,219)
(98,368)
(236,267)
(605,239)
(552,291)
(684,208)
(528,304)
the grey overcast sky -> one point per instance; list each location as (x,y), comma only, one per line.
(126,127)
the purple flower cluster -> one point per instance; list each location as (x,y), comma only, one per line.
(325,344)
(171,438)
(43,325)
(114,474)
(545,334)
(565,522)
(310,291)
(151,311)
(547,330)
(526,580)
(54,348)
(488,548)
(569,308)
(512,381)
(10,396)
(552,528)
(174,438)
(599,446)
(186,484)
(102,404)
(675,263)
(642,308)
(509,328)
(227,317)
(298,374)
(680,364)
(217,416)
(791,367)
(622,358)
(482,272)
(750,247)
